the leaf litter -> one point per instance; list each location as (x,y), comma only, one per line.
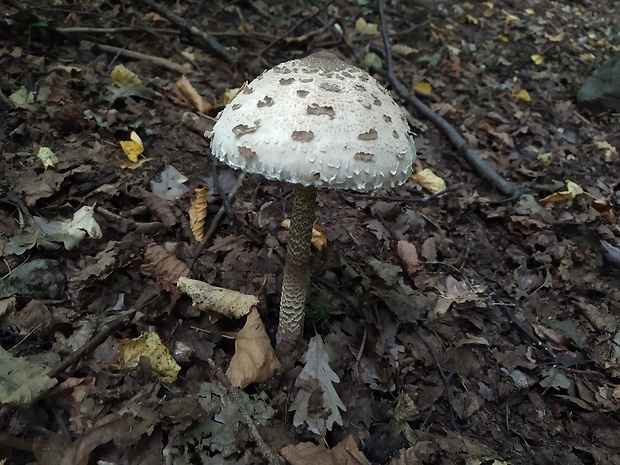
(454,328)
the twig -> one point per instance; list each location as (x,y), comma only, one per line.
(112,30)
(171,65)
(230,213)
(216,220)
(530,335)
(93,342)
(469,153)
(396,198)
(207,39)
(265,450)
(292,29)
(444,378)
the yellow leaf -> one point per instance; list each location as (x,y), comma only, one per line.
(501,38)
(134,147)
(423,88)
(556,38)
(429,180)
(489,5)
(523,95)
(537,59)
(255,360)
(472,19)
(47,157)
(545,158)
(149,345)
(124,77)
(511,18)
(403,50)
(230,94)
(572,190)
(529,11)
(130,165)
(198,213)
(192,95)
(370,29)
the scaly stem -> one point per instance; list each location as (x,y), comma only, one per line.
(296,270)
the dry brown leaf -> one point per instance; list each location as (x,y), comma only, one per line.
(409,255)
(198,213)
(158,206)
(163,266)
(192,95)
(345,453)
(555,339)
(255,360)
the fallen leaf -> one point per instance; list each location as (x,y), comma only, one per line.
(317,379)
(255,360)
(124,77)
(149,345)
(429,180)
(133,148)
(198,213)
(570,193)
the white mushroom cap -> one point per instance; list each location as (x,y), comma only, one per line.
(316,121)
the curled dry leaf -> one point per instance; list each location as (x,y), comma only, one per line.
(226,302)
(192,95)
(408,254)
(158,206)
(163,266)
(198,213)
(255,360)
(345,453)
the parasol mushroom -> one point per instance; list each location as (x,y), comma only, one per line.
(314,122)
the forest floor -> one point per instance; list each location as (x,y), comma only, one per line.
(467,324)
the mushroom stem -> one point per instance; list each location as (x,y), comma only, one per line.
(296,270)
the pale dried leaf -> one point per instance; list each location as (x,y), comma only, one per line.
(317,378)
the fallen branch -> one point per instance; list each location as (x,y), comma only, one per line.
(217,219)
(209,40)
(171,65)
(469,153)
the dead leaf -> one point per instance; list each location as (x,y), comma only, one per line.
(429,180)
(164,266)
(149,345)
(345,453)
(317,379)
(255,360)
(198,213)
(193,96)
(408,254)
(570,193)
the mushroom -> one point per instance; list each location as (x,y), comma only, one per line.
(313,122)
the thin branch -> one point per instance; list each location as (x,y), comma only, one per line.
(219,216)
(207,39)
(295,26)
(469,153)
(171,65)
